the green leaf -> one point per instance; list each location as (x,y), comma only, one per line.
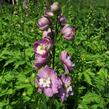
(30,90)
(18,63)
(91,100)
(88,76)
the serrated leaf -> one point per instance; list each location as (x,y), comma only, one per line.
(92,100)
(103,72)
(20,86)
(9,76)
(18,63)
(88,78)
(30,90)
(26,98)
(10,91)
(9,62)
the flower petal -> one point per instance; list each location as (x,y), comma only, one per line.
(48,92)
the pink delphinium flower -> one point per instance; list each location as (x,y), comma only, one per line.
(68,32)
(41,49)
(47,81)
(65,58)
(43,46)
(66,89)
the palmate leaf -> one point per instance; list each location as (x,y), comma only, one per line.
(103,72)
(12,57)
(3,92)
(92,101)
(29,52)
(9,62)
(7,92)
(2,104)
(10,91)
(21,78)
(9,76)
(26,98)
(30,89)
(101,82)
(4,54)
(21,86)
(15,62)
(24,83)
(18,63)
(88,76)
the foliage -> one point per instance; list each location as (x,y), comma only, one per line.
(90,53)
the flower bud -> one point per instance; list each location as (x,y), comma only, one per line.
(68,32)
(55,7)
(49,14)
(62,20)
(43,23)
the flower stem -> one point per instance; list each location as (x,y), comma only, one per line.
(53,50)
(52,103)
(55,35)
(53,55)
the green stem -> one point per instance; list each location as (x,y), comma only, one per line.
(51,106)
(53,53)
(54,35)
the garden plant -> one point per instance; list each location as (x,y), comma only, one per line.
(54,54)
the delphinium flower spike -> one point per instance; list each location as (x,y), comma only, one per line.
(47,80)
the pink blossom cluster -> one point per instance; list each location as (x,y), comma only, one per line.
(48,82)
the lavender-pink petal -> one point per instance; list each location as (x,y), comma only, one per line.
(48,92)
(43,23)
(55,84)
(65,58)
(68,32)
(39,60)
(46,42)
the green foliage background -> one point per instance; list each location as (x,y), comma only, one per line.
(90,53)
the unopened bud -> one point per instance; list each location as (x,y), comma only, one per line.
(49,14)
(43,23)
(68,32)
(55,7)
(62,20)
